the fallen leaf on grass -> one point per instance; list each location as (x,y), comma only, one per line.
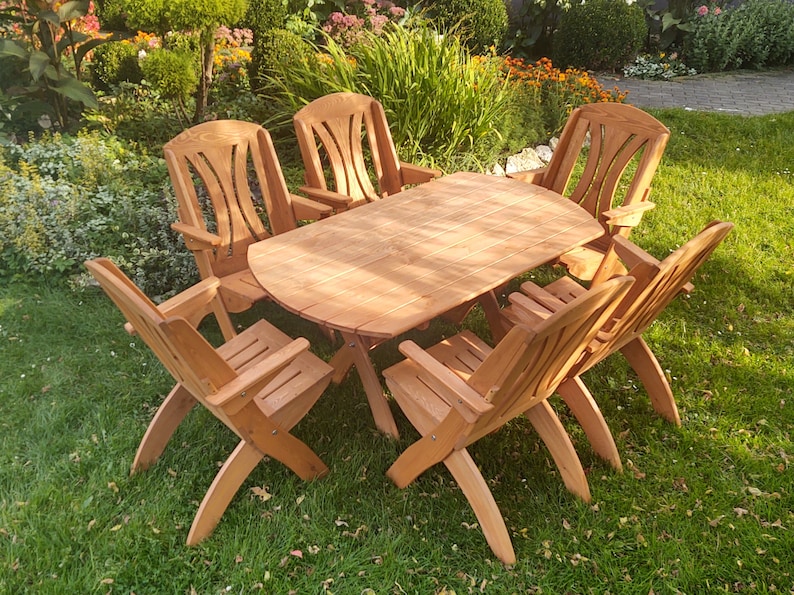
(296,553)
(262,492)
(716,521)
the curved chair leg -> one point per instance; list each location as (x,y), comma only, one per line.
(558,442)
(581,403)
(169,415)
(645,364)
(474,487)
(223,488)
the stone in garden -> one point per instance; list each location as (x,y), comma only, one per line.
(498,170)
(526,159)
(544,153)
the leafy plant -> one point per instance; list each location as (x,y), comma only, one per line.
(534,26)
(659,67)
(44,37)
(66,199)
(600,35)
(756,34)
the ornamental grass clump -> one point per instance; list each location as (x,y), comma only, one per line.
(439,100)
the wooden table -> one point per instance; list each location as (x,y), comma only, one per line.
(386,267)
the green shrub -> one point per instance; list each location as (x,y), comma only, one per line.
(480,23)
(600,35)
(274,49)
(756,34)
(113,63)
(710,47)
(265,15)
(172,73)
(63,200)
(111,15)
(440,101)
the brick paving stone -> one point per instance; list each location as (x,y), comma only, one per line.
(748,93)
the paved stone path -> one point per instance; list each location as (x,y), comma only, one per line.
(745,92)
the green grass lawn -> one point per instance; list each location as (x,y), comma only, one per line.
(706,507)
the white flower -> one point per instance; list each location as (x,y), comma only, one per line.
(141,54)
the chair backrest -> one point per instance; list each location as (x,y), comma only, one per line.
(656,285)
(618,134)
(219,157)
(331,129)
(183,351)
(527,366)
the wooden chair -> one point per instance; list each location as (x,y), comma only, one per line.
(260,384)
(460,390)
(657,284)
(338,123)
(618,135)
(218,157)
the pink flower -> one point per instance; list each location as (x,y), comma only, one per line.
(397,11)
(717,10)
(703,10)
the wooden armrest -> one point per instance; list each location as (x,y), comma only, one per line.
(328,197)
(236,394)
(631,254)
(308,209)
(530,176)
(634,257)
(417,174)
(627,215)
(459,395)
(194,301)
(192,304)
(196,238)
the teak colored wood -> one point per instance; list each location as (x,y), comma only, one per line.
(331,130)
(657,284)
(617,135)
(384,268)
(223,158)
(460,390)
(260,384)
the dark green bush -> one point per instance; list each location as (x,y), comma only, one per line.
(275,48)
(600,35)
(265,15)
(172,73)
(111,15)
(113,63)
(480,23)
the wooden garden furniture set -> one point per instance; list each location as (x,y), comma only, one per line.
(378,260)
